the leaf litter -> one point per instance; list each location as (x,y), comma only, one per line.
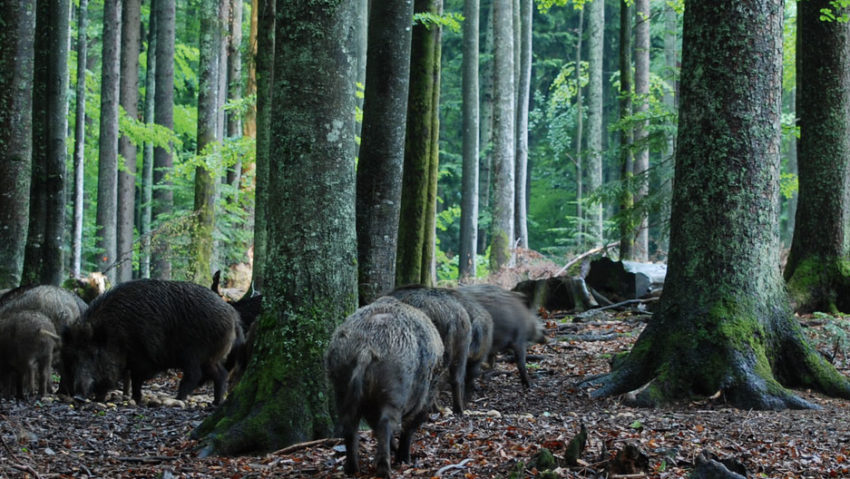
(502,434)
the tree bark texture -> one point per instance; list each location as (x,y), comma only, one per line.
(818,268)
(471,145)
(129,100)
(234,89)
(381,158)
(265,82)
(283,398)
(579,136)
(16,69)
(147,159)
(163,195)
(249,124)
(504,115)
(523,99)
(486,160)
(593,152)
(627,222)
(429,244)
(642,13)
(79,140)
(417,150)
(210,44)
(724,322)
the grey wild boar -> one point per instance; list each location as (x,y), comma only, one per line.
(382,362)
(28,342)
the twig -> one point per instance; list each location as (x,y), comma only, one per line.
(584,255)
(590,312)
(26,468)
(147,459)
(459,465)
(329,441)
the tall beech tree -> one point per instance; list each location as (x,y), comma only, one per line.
(107,170)
(163,196)
(146,213)
(128,92)
(593,153)
(502,227)
(524,49)
(641,165)
(724,322)
(43,261)
(284,398)
(16,69)
(818,267)
(381,158)
(79,140)
(418,150)
(471,141)
(627,157)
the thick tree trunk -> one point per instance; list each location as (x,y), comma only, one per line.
(16,69)
(504,115)
(147,159)
(627,224)
(379,170)
(724,323)
(641,171)
(79,140)
(283,398)
(523,99)
(471,145)
(417,149)
(163,195)
(818,268)
(129,100)
(593,153)
(265,82)
(428,275)
(210,44)
(107,172)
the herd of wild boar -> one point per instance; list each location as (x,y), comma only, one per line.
(385,361)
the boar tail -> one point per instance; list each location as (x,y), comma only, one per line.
(355,384)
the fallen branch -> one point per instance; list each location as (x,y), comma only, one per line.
(328,441)
(147,459)
(591,312)
(589,337)
(584,255)
(25,468)
(459,465)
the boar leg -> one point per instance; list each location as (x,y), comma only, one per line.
(192,376)
(218,373)
(519,353)
(352,445)
(384,436)
(406,435)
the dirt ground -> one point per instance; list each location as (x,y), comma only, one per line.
(504,429)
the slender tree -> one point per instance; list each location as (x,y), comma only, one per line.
(131,22)
(147,157)
(209,64)
(471,145)
(641,252)
(249,125)
(16,69)
(486,126)
(379,169)
(671,75)
(593,153)
(163,196)
(579,159)
(283,398)
(429,240)
(523,96)
(107,172)
(265,83)
(234,88)
(724,323)
(818,268)
(417,151)
(502,228)
(627,226)
(79,140)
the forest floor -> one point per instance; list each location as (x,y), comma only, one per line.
(505,428)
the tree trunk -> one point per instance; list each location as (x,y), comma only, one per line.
(429,240)
(641,171)
(265,83)
(486,160)
(818,268)
(249,124)
(671,75)
(210,44)
(147,160)
(379,169)
(723,323)
(579,161)
(593,152)
(234,90)
(417,149)
(163,195)
(524,95)
(502,228)
(627,226)
(471,146)
(107,172)
(129,100)
(16,70)
(79,140)
(283,398)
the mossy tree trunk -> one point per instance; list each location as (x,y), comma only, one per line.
(16,69)
(311,261)
(428,272)
(818,268)
(417,148)
(724,322)
(379,170)
(205,175)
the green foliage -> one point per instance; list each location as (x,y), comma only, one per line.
(837,12)
(451,21)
